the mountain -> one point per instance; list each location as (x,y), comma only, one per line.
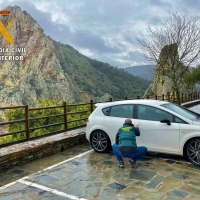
(142,71)
(33,67)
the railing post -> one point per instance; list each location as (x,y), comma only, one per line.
(126,98)
(168,97)
(163,97)
(173,97)
(91,105)
(110,99)
(156,97)
(198,95)
(27,122)
(138,97)
(147,96)
(182,98)
(65,115)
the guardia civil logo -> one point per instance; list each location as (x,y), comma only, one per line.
(4,29)
(13,51)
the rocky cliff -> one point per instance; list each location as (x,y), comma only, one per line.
(39,74)
(34,66)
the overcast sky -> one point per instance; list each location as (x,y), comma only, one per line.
(104,30)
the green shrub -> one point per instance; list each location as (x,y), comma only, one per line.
(17,114)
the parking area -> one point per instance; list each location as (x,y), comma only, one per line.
(81,173)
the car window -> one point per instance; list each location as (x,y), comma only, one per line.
(181,111)
(106,111)
(125,111)
(178,120)
(154,114)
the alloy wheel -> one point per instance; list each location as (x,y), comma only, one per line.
(100,141)
(193,151)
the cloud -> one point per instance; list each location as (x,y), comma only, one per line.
(104,30)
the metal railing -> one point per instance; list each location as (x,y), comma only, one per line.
(27,121)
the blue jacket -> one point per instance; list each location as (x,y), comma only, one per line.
(126,138)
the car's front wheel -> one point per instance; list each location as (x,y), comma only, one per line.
(193,151)
(100,141)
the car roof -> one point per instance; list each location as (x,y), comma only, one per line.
(134,101)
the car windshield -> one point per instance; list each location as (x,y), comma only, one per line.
(181,111)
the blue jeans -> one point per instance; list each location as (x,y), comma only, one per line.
(140,152)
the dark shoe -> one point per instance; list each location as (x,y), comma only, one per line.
(121,164)
(132,163)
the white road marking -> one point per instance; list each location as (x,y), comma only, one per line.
(50,190)
(60,163)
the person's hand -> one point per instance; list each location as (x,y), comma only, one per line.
(136,126)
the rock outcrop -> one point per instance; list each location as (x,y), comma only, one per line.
(169,73)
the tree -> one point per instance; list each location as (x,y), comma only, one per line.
(193,77)
(173,48)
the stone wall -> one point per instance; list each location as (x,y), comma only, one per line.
(20,154)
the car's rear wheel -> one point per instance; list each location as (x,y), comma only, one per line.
(100,141)
(193,151)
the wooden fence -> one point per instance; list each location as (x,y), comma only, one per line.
(65,116)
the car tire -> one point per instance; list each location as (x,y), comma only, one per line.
(100,142)
(193,151)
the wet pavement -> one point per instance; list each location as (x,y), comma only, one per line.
(81,173)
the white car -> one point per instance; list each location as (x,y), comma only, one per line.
(165,127)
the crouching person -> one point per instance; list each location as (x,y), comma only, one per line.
(125,144)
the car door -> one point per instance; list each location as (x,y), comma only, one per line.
(115,119)
(157,136)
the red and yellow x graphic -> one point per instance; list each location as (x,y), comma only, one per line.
(4,32)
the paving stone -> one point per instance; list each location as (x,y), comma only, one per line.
(145,195)
(137,184)
(192,197)
(17,171)
(95,185)
(8,196)
(169,183)
(190,189)
(179,176)
(108,162)
(79,192)
(142,175)
(154,182)
(169,170)
(117,186)
(194,183)
(170,161)
(180,193)
(172,197)
(94,192)
(109,193)
(46,178)
(188,173)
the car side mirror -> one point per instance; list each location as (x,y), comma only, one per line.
(165,121)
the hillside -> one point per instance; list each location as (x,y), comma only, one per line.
(142,71)
(55,71)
